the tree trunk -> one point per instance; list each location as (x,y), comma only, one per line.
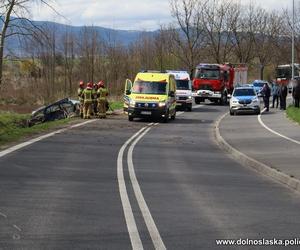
(262,69)
(3,36)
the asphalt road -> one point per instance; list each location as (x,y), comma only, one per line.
(66,192)
(280,151)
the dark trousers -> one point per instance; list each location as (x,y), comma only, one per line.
(275,99)
(267,102)
(297,102)
(283,102)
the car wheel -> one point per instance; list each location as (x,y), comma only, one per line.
(130,118)
(166,118)
(231,112)
(189,109)
(223,100)
(173,116)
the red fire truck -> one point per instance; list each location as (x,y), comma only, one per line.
(216,81)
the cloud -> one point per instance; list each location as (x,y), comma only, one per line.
(120,14)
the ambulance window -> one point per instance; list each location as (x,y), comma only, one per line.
(183,84)
(144,87)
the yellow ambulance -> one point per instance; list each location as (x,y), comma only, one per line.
(151,95)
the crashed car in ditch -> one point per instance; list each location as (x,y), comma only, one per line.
(55,111)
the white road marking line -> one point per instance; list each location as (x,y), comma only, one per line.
(195,107)
(273,131)
(27,143)
(135,239)
(16,227)
(198,106)
(153,231)
(3,215)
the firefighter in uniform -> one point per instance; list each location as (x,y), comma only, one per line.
(102,99)
(87,96)
(79,92)
(95,103)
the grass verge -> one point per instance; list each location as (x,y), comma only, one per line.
(116,105)
(293,113)
(13,127)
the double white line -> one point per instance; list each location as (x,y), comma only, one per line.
(134,235)
(129,217)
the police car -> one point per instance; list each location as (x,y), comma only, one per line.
(244,99)
(258,86)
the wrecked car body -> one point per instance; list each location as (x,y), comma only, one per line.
(55,111)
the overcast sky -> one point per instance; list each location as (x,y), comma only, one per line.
(121,14)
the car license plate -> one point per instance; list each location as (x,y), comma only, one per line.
(145,112)
(178,104)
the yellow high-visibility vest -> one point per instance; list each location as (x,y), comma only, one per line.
(87,95)
(102,92)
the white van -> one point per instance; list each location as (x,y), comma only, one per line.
(183,89)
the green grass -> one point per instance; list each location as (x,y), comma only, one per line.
(293,113)
(116,105)
(13,127)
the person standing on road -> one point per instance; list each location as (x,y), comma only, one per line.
(266,92)
(102,99)
(275,94)
(296,93)
(95,103)
(87,101)
(283,95)
(80,92)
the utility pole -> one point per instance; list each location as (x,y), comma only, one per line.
(293,43)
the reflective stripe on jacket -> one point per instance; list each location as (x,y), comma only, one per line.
(79,92)
(88,95)
(102,93)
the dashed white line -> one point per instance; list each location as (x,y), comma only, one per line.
(16,227)
(153,231)
(274,132)
(3,215)
(195,107)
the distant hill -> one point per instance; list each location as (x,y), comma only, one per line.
(124,37)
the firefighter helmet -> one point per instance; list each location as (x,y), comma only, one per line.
(89,85)
(101,84)
(81,84)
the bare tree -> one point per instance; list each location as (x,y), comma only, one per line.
(243,28)
(266,37)
(14,22)
(287,16)
(88,49)
(68,48)
(186,37)
(218,18)
(160,42)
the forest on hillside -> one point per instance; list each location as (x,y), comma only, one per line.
(211,31)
